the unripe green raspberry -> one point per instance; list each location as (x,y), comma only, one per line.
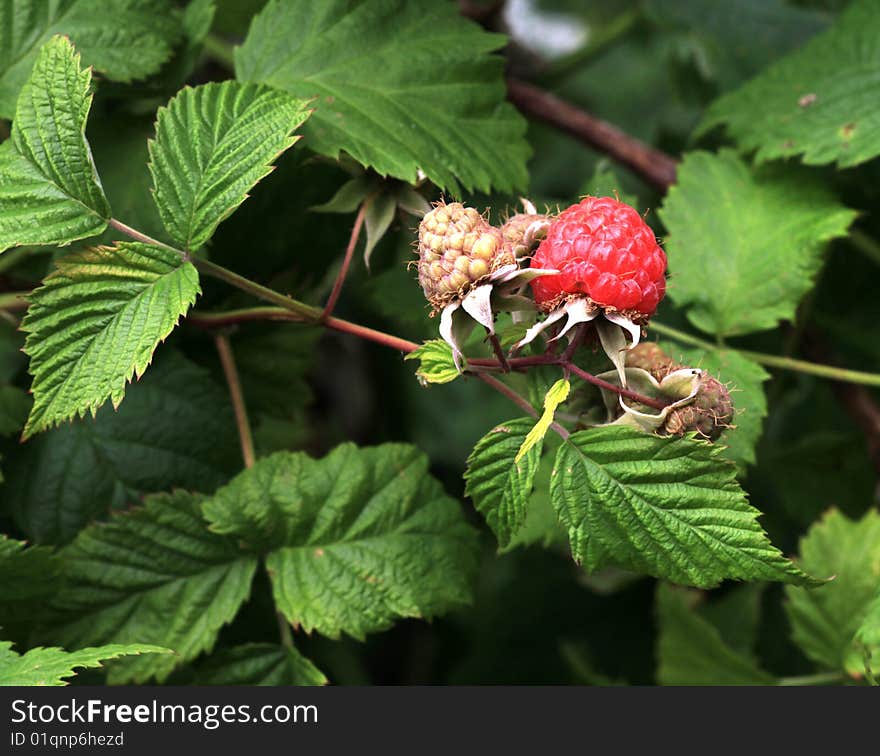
(457,250)
(524,231)
(709,414)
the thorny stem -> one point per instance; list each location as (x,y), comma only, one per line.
(227,360)
(138,236)
(772,360)
(346,261)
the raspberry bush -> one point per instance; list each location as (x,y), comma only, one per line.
(317,324)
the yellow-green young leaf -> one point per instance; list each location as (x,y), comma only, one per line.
(49,190)
(499,481)
(690,651)
(50,666)
(819,102)
(744,246)
(825,620)
(429,97)
(213,144)
(668,507)
(123,39)
(557,394)
(95,322)
(259,664)
(353,541)
(436,363)
(174,583)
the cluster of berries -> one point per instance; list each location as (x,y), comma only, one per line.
(596,261)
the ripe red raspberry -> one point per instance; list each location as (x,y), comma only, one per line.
(605,252)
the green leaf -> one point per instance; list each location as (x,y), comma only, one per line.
(427,96)
(213,144)
(499,481)
(824,621)
(730,42)
(123,39)
(436,363)
(352,541)
(152,575)
(65,478)
(49,190)
(259,664)
(745,380)
(605,183)
(668,507)
(690,651)
(744,247)
(96,321)
(273,362)
(50,666)
(29,577)
(377,219)
(819,102)
(555,396)
(349,196)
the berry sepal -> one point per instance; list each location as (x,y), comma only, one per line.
(499,293)
(612,328)
(680,388)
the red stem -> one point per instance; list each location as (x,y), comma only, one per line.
(346,261)
(590,378)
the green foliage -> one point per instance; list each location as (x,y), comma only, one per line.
(145,538)
(352,541)
(29,577)
(826,620)
(690,651)
(50,666)
(174,584)
(428,97)
(682,516)
(213,143)
(819,102)
(49,190)
(60,481)
(730,42)
(260,664)
(744,247)
(95,323)
(136,44)
(436,363)
(500,479)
